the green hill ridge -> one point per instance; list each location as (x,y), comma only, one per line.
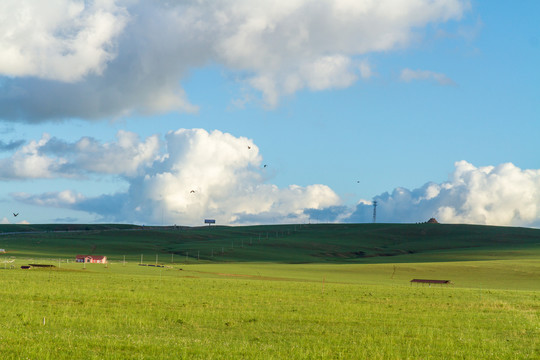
(314,243)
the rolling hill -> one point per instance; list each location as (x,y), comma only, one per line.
(315,243)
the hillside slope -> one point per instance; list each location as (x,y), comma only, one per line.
(338,243)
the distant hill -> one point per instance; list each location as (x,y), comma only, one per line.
(329,243)
(7,228)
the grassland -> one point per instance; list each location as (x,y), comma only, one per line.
(310,292)
(322,243)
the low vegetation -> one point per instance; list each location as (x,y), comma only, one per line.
(344,294)
(321,243)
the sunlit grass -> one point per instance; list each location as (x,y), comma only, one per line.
(132,312)
(294,292)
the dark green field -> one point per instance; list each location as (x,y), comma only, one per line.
(321,243)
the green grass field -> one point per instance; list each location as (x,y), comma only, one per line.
(300,292)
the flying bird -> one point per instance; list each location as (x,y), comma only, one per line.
(192,191)
(265,165)
(15,214)
(249,147)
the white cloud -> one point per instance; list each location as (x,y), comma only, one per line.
(30,163)
(58,39)
(126,156)
(329,72)
(503,195)
(409,75)
(4,220)
(217,175)
(200,175)
(324,73)
(313,45)
(110,58)
(64,198)
(51,158)
(193,174)
(490,195)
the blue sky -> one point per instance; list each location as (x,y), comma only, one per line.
(146,112)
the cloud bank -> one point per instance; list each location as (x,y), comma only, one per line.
(109,58)
(490,195)
(191,175)
(51,157)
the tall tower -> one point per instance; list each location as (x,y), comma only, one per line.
(374,212)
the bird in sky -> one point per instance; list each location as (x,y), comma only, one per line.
(249,147)
(265,165)
(15,214)
(192,191)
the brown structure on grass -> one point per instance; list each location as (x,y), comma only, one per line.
(429,282)
(432,221)
(41,265)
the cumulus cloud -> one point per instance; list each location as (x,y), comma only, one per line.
(30,163)
(198,175)
(109,58)
(204,174)
(409,75)
(490,195)
(59,39)
(51,157)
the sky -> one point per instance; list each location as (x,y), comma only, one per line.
(300,111)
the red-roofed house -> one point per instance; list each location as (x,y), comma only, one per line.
(98,259)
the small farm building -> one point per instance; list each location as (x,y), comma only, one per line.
(98,259)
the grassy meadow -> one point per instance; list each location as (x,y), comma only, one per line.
(308,292)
